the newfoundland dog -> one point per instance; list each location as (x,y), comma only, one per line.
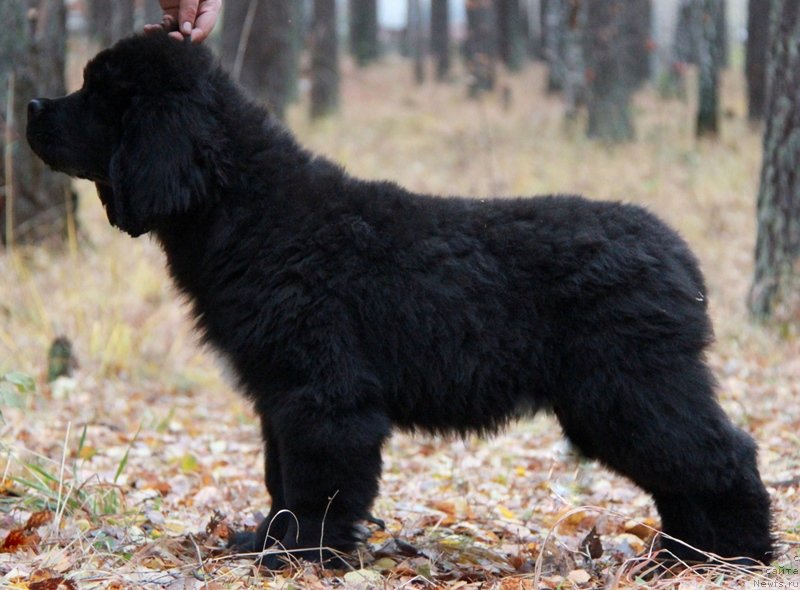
(348,307)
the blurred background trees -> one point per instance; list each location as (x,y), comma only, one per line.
(511,33)
(415,38)
(756,56)
(440,37)
(709,26)
(364,45)
(609,71)
(37,203)
(324,59)
(597,57)
(776,284)
(480,47)
(260,47)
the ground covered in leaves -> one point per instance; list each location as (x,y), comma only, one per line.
(131,472)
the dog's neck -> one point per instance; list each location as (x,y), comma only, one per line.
(282,180)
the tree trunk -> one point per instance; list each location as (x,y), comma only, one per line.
(756,64)
(685,48)
(684,51)
(511,34)
(99,18)
(364,31)
(440,37)
(775,291)
(639,30)
(122,19)
(37,201)
(111,21)
(707,21)
(232,45)
(554,31)
(722,33)
(481,46)
(324,60)
(530,37)
(259,47)
(689,31)
(574,62)
(416,39)
(609,72)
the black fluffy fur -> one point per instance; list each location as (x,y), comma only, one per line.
(349,307)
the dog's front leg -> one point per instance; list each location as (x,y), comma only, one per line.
(271,529)
(330,462)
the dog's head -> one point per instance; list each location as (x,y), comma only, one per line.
(144,127)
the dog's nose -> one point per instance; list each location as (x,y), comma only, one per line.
(35,107)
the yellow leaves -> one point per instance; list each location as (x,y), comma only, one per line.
(87,452)
(455,542)
(570,521)
(173,526)
(188,463)
(506,513)
(379,537)
(645,529)
(384,564)
(7,486)
(454,510)
(43,579)
(516,584)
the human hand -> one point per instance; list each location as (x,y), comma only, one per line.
(196,17)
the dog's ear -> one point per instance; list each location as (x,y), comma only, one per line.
(165,164)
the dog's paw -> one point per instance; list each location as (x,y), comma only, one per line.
(249,542)
(274,561)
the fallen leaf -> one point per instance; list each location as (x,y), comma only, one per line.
(592,545)
(644,529)
(57,583)
(384,563)
(630,545)
(189,463)
(87,452)
(506,513)
(579,576)
(39,519)
(363,577)
(20,539)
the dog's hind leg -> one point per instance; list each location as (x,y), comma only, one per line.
(664,429)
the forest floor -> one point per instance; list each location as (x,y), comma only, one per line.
(127,474)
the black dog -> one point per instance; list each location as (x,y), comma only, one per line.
(348,307)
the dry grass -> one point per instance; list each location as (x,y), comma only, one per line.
(135,453)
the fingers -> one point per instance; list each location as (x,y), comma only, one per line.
(187,18)
(207,15)
(169,18)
